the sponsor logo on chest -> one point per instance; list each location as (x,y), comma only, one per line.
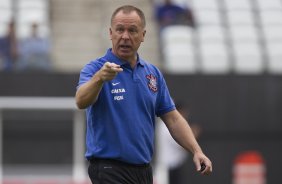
(118,92)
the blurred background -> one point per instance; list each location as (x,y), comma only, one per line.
(221,58)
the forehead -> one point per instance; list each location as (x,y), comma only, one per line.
(128,19)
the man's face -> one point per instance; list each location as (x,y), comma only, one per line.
(126,33)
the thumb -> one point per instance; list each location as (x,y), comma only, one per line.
(197,164)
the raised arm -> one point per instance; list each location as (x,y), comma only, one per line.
(88,93)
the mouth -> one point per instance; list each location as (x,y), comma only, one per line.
(125,47)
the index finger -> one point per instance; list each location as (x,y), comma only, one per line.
(111,65)
(108,64)
(116,69)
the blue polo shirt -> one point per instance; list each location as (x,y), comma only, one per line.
(121,123)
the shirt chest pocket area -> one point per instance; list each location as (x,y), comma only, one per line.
(145,93)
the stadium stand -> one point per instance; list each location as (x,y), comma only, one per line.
(79,33)
(237,36)
(25,13)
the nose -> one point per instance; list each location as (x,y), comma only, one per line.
(125,35)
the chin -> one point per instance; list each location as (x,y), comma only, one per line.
(125,55)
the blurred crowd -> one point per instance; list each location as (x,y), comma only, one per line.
(170,13)
(33,52)
(26,54)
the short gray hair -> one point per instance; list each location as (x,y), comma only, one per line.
(128,9)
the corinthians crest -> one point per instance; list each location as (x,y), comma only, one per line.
(152,83)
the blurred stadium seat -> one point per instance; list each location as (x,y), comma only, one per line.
(211,33)
(204,5)
(207,17)
(275,57)
(238,5)
(214,58)
(269,4)
(178,50)
(243,33)
(240,17)
(271,17)
(248,58)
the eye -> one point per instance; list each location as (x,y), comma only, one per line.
(119,29)
(133,30)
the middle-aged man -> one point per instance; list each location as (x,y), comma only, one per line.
(122,94)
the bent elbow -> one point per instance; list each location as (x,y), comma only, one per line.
(79,103)
(82,103)
(80,106)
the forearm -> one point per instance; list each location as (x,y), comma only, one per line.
(182,133)
(88,93)
(185,136)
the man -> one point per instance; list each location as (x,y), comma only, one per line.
(169,13)
(122,94)
(8,48)
(34,51)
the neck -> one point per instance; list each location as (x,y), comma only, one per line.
(132,61)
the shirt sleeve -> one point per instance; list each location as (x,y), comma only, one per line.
(164,101)
(87,73)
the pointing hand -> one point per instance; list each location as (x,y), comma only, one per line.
(109,71)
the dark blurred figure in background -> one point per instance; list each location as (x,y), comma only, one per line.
(170,13)
(8,48)
(34,52)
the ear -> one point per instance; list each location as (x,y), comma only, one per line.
(111,33)
(144,33)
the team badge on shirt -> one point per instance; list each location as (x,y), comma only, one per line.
(152,83)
